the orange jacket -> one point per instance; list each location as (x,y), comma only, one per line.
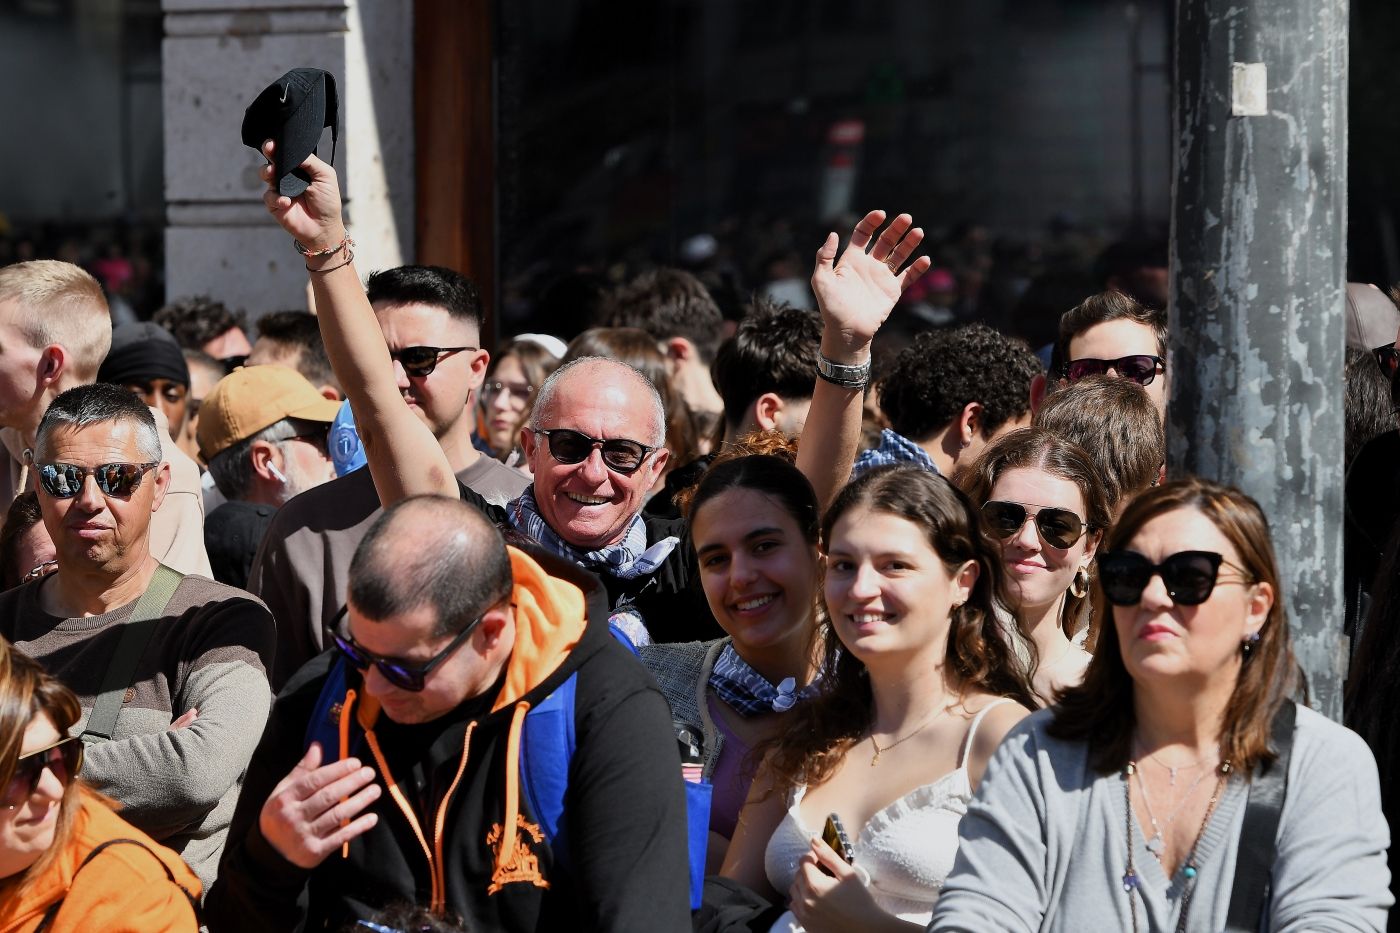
(123,890)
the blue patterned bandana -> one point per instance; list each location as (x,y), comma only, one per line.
(748,692)
(626,560)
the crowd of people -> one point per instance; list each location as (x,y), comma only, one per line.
(819,619)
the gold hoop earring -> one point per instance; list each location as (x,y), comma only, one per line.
(1079,586)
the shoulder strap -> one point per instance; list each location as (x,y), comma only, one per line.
(546,752)
(54,908)
(972,729)
(135,638)
(1259,834)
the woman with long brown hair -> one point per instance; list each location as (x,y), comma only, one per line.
(1042,498)
(919,684)
(68,864)
(1124,806)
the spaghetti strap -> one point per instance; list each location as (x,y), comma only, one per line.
(972,729)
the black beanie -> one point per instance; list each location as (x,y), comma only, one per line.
(142,351)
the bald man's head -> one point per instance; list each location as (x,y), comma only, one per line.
(435,552)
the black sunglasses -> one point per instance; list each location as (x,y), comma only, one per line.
(65,480)
(410,677)
(63,758)
(1388,358)
(1189,576)
(619,454)
(1059,528)
(1140,368)
(421,361)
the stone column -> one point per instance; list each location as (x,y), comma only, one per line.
(1258,271)
(218,54)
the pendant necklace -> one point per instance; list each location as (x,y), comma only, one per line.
(875,759)
(1156,844)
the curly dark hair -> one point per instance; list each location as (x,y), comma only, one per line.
(940,372)
(774,350)
(195,321)
(668,303)
(980,656)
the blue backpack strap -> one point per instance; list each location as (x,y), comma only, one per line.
(324,724)
(546,753)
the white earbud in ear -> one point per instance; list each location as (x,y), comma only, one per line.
(272,468)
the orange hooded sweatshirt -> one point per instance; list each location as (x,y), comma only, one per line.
(124,889)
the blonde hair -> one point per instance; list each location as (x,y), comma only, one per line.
(60,304)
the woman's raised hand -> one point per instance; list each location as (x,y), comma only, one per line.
(857,293)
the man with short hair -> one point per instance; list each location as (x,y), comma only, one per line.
(430,318)
(949,394)
(293,339)
(1116,424)
(202,323)
(182,696)
(54,334)
(263,434)
(678,312)
(765,372)
(1111,333)
(455,656)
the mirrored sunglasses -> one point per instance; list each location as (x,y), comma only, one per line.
(1059,528)
(65,480)
(1140,368)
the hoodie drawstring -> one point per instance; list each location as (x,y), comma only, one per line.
(506,852)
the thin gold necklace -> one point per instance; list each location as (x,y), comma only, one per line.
(878,750)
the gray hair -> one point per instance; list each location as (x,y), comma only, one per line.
(545,401)
(232,467)
(100,403)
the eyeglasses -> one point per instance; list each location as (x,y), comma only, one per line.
(515,390)
(1059,528)
(1140,368)
(410,677)
(65,480)
(1388,358)
(421,361)
(619,454)
(1189,576)
(63,758)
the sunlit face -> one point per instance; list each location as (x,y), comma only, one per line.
(505,402)
(759,574)
(440,398)
(93,530)
(20,387)
(27,831)
(231,343)
(172,398)
(587,503)
(1163,641)
(888,592)
(1037,573)
(408,637)
(1113,340)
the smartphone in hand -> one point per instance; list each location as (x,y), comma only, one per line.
(834,835)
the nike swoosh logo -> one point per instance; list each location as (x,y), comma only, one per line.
(284,94)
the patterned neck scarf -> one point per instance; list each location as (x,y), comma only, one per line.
(748,692)
(626,560)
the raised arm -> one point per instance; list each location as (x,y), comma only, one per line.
(404,457)
(855,296)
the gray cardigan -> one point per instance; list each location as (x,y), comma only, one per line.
(1042,847)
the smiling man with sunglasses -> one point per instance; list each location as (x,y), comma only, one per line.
(180,661)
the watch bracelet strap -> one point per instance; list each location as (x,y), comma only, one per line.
(841,373)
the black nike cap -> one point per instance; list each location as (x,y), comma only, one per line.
(292,112)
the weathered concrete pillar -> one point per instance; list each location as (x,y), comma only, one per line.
(218,55)
(1259,260)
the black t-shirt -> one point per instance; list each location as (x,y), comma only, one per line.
(232,533)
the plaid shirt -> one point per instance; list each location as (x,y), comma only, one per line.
(894,448)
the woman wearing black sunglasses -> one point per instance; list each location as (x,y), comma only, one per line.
(67,862)
(1042,499)
(1124,807)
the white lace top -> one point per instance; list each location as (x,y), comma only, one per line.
(903,853)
